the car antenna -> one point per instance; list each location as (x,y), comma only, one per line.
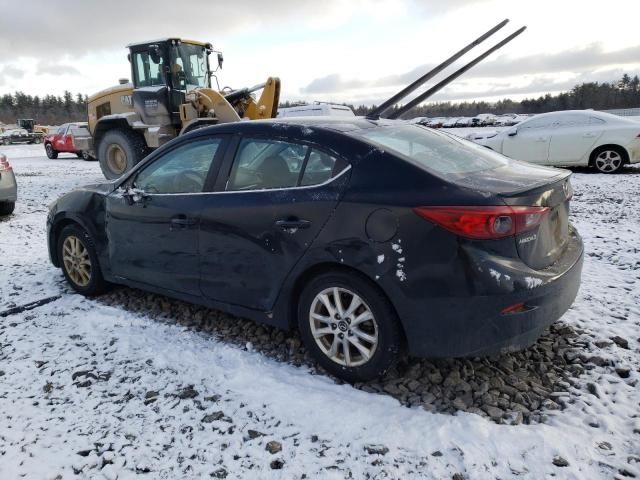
(422,97)
(380,110)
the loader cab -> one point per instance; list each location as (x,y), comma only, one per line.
(163,71)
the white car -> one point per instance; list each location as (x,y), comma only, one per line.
(571,138)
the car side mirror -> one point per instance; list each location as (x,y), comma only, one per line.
(134,195)
(512,132)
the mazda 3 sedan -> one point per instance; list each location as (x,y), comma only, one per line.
(371,237)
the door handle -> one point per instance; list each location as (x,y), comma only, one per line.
(182,221)
(293,223)
(589,135)
(541,139)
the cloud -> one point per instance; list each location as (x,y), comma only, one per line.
(56,69)
(502,76)
(114,24)
(331,83)
(13,71)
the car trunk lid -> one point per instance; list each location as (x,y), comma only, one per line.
(519,184)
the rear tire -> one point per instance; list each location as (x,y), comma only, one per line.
(86,156)
(370,332)
(608,159)
(79,261)
(6,208)
(119,151)
(51,153)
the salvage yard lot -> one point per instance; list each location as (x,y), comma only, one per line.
(134,383)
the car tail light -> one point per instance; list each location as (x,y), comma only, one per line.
(4,164)
(485,223)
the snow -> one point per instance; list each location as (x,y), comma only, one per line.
(131,392)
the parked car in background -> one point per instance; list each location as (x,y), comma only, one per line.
(463,122)
(571,138)
(483,120)
(8,187)
(436,122)
(19,135)
(63,140)
(506,120)
(317,109)
(301,222)
(450,122)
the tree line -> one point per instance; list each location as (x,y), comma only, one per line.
(46,110)
(624,93)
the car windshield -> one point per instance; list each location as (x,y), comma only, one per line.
(189,66)
(438,152)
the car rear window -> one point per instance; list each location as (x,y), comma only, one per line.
(438,152)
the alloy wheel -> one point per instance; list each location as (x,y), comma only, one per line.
(343,326)
(77,262)
(608,161)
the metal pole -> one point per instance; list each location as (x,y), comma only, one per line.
(422,97)
(430,74)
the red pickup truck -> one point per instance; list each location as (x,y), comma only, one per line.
(62,140)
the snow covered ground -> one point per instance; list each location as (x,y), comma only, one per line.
(90,390)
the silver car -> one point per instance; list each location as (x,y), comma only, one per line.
(8,187)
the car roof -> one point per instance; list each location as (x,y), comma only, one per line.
(314,123)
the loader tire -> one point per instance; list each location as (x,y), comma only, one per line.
(119,151)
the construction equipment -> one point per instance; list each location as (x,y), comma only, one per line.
(171,94)
(29,125)
(380,111)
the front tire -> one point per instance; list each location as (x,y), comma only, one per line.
(51,153)
(79,261)
(119,151)
(608,159)
(349,326)
(7,208)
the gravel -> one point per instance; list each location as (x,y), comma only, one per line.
(512,388)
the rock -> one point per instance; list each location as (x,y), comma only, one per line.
(212,417)
(621,342)
(437,453)
(150,397)
(457,476)
(187,392)
(376,449)
(559,461)
(277,464)
(219,473)
(254,434)
(494,412)
(623,372)
(435,377)
(273,447)
(593,390)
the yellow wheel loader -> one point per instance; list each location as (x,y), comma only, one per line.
(170,94)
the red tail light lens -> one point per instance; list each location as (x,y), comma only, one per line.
(4,164)
(485,223)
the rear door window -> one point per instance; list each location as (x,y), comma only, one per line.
(262,164)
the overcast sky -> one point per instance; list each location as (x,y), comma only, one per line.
(357,51)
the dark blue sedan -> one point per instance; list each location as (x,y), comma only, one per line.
(369,236)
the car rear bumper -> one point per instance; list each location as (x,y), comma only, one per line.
(8,187)
(475,325)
